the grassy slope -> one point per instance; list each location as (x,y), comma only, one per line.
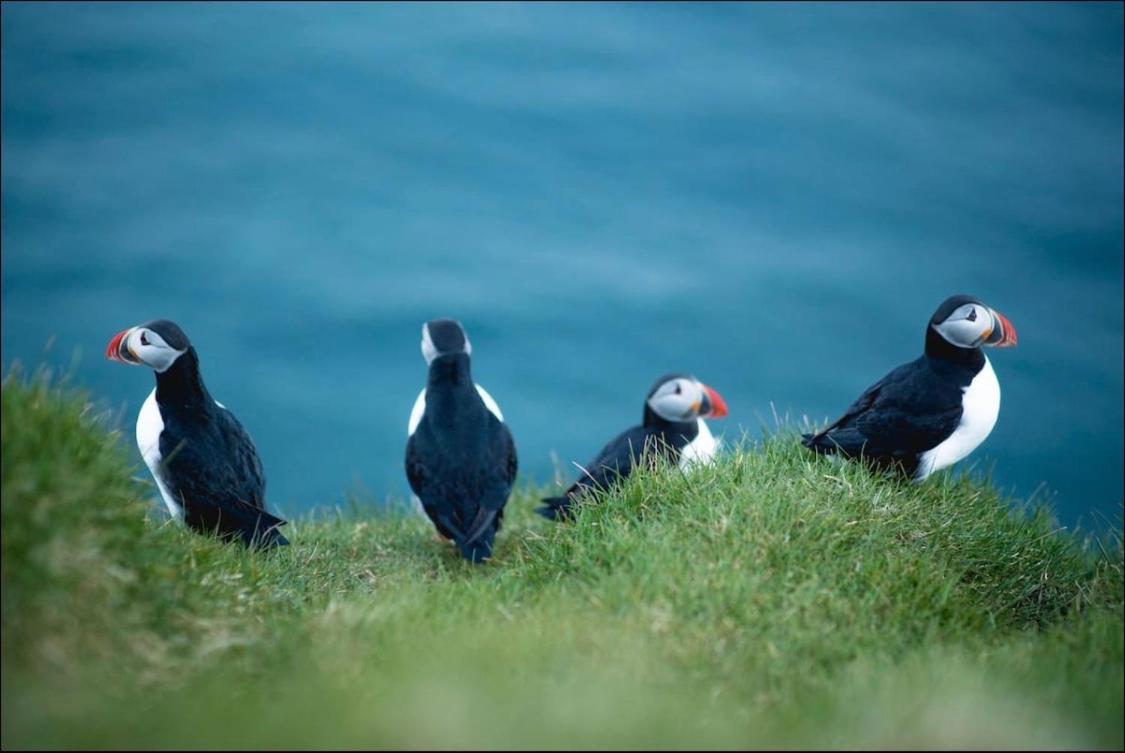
(776,599)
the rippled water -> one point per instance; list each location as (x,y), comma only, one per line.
(774,197)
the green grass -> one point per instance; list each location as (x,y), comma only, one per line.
(776,599)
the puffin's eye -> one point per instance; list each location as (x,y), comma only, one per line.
(679,389)
(144,340)
(972,317)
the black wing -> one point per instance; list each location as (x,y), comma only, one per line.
(614,462)
(508,452)
(416,475)
(905,413)
(510,464)
(464,490)
(857,408)
(250,479)
(498,487)
(415,469)
(215,472)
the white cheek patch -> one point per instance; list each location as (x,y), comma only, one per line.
(159,358)
(962,332)
(677,406)
(966,327)
(155,353)
(696,390)
(672,407)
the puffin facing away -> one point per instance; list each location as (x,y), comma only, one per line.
(460,457)
(203,461)
(932,412)
(673,428)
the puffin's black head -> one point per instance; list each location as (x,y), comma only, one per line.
(682,397)
(965,322)
(443,337)
(156,344)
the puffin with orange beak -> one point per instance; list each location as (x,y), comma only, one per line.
(932,412)
(672,429)
(203,461)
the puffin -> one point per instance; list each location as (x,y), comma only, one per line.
(933,411)
(672,429)
(460,456)
(203,461)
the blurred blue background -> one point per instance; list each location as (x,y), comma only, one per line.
(774,197)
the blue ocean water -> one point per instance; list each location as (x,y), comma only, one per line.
(774,197)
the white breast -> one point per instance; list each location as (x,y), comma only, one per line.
(702,449)
(149,427)
(980,405)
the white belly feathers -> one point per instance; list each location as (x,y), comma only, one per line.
(149,426)
(702,449)
(980,408)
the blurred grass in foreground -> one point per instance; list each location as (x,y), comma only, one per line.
(773,600)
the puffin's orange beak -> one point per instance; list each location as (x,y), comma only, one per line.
(718,405)
(118,348)
(1003,333)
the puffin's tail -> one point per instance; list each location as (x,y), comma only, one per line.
(844,442)
(479,549)
(271,538)
(556,508)
(476,543)
(264,533)
(818,443)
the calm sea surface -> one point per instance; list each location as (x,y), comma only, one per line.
(774,197)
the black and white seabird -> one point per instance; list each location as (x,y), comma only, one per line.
(460,457)
(673,428)
(203,461)
(932,412)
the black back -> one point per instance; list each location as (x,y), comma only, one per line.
(461,460)
(912,409)
(656,439)
(208,461)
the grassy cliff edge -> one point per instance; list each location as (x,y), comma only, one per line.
(775,599)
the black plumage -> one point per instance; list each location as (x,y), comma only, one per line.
(207,462)
(909,411)
(460,459)
(917,406)
(655,439)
